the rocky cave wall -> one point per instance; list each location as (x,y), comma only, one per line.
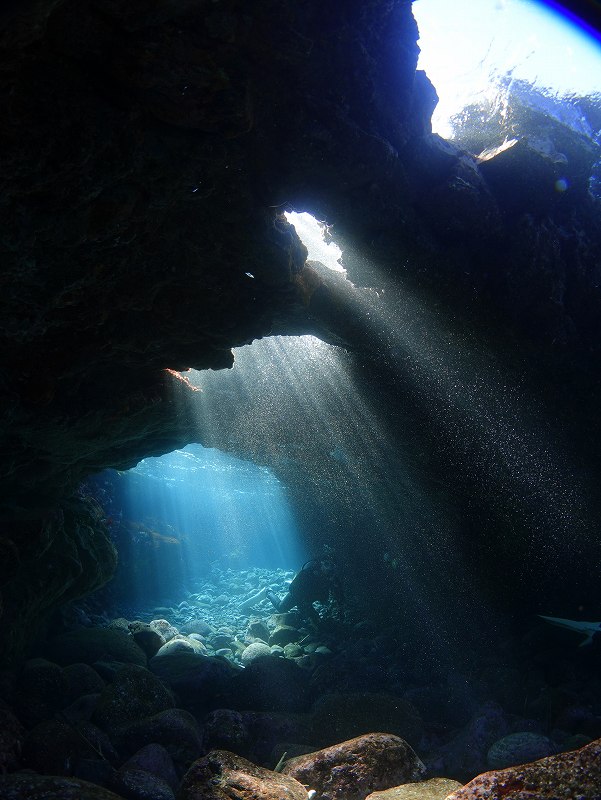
(148,152)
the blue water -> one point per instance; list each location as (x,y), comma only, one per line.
(176,516)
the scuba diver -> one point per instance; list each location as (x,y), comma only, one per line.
(317,581)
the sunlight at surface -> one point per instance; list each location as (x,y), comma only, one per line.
(311,233)
(466,45)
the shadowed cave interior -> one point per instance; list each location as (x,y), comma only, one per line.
(194,406)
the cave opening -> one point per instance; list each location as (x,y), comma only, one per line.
(428,446)
(475,55)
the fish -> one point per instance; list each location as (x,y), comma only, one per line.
(588,629)
(154,536)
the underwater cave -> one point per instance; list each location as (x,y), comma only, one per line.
(301,361)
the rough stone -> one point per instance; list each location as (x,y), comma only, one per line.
(82,679)
(283,635)
(155,759)
(43,787)
(355,768)
(134,694)
(519,748)
(566,776)
(179,643)
(221,775)
(53,747)
(203,683)
(225,729)
(255,650)
(164,628)
(11,739)
(41,691)
(90,645)
(148,639)
(137,784)
(433,789)
(258,629)
(175,729)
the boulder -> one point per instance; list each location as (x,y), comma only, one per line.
(267,729)
(164,628)
(355,768)
(175,729)
(155,759)
(11,739)
(82,709)
(179,643)
(134,694)
(44,787)
(465,754)
(137,784)
(283,635)
(258,629)
(54,748)
(203,683)
(146,637)
(40,692)
(519,748)
(255,650)
(434,789)
(225,729)
(566,776)
(220,775)
(89,645)
(81,679)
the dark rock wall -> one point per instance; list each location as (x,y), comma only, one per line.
(148,150)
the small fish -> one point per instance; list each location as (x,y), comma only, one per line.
(588,629)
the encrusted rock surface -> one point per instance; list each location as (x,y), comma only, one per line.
(355,768)
(220,775)
(566,776)
(433,789)
(43,787)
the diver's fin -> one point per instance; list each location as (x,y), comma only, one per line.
(588,629)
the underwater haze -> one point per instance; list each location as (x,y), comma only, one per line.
(175,517)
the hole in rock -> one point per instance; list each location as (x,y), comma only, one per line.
(477,54)
(314,235)
(184,520)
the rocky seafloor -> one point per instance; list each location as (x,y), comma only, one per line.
(216,696)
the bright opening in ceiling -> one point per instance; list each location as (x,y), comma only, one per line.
(468,47)
(313,235)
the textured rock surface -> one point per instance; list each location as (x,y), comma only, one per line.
(11,739)
(42,787)
(220,775)
(562,777)
(358,767)
(134,694)
(519,748)
(433,789)
(175,729)
(89,645)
